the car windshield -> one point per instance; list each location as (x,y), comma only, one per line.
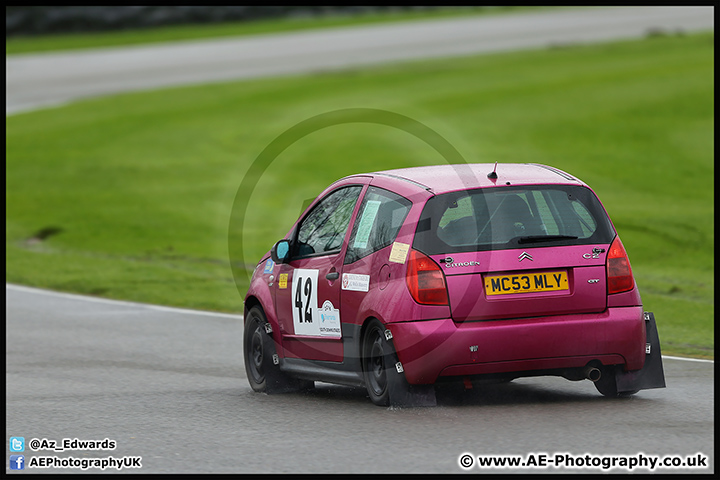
(510,217)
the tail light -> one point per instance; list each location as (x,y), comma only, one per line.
(619,274)
(425,280)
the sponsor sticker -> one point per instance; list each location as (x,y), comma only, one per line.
(282,280)
(269,266)
(355,282)
(366,223)
(329,320)
(399,252)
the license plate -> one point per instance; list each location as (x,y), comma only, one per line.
(526,283)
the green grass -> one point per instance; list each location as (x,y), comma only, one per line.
(71,41)
(141,185)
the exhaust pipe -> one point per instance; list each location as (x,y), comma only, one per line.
(592,373)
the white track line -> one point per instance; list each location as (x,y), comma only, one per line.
(689,359)
(73,296)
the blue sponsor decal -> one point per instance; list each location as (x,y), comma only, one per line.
(269,265)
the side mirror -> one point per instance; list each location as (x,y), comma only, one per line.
(280,252)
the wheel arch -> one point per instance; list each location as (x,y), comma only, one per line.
(252,301)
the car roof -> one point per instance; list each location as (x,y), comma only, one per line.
(448,178)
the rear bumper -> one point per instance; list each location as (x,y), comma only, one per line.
(439,348)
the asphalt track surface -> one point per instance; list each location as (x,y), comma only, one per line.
(169,385)
(39,80)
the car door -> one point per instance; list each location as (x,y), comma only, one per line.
(368,264)
(307,296)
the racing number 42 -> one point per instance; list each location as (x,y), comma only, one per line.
(304,314)
(304,301)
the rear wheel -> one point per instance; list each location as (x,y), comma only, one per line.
(607,385)
(385,384)
(375,360)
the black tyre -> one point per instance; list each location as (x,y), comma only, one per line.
(607,385)
(376,361)
(385,385)
(263,373)
(255,349)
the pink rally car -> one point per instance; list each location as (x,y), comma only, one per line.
(401,279)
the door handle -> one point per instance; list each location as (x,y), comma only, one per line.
(333,276)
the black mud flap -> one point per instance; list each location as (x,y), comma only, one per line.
(402,394)
(276,381)
(652,374)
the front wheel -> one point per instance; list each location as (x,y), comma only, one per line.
(255,349)
(263,372)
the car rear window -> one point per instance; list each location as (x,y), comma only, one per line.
(511,217)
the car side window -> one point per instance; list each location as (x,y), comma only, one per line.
(379,219)
(323,229)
